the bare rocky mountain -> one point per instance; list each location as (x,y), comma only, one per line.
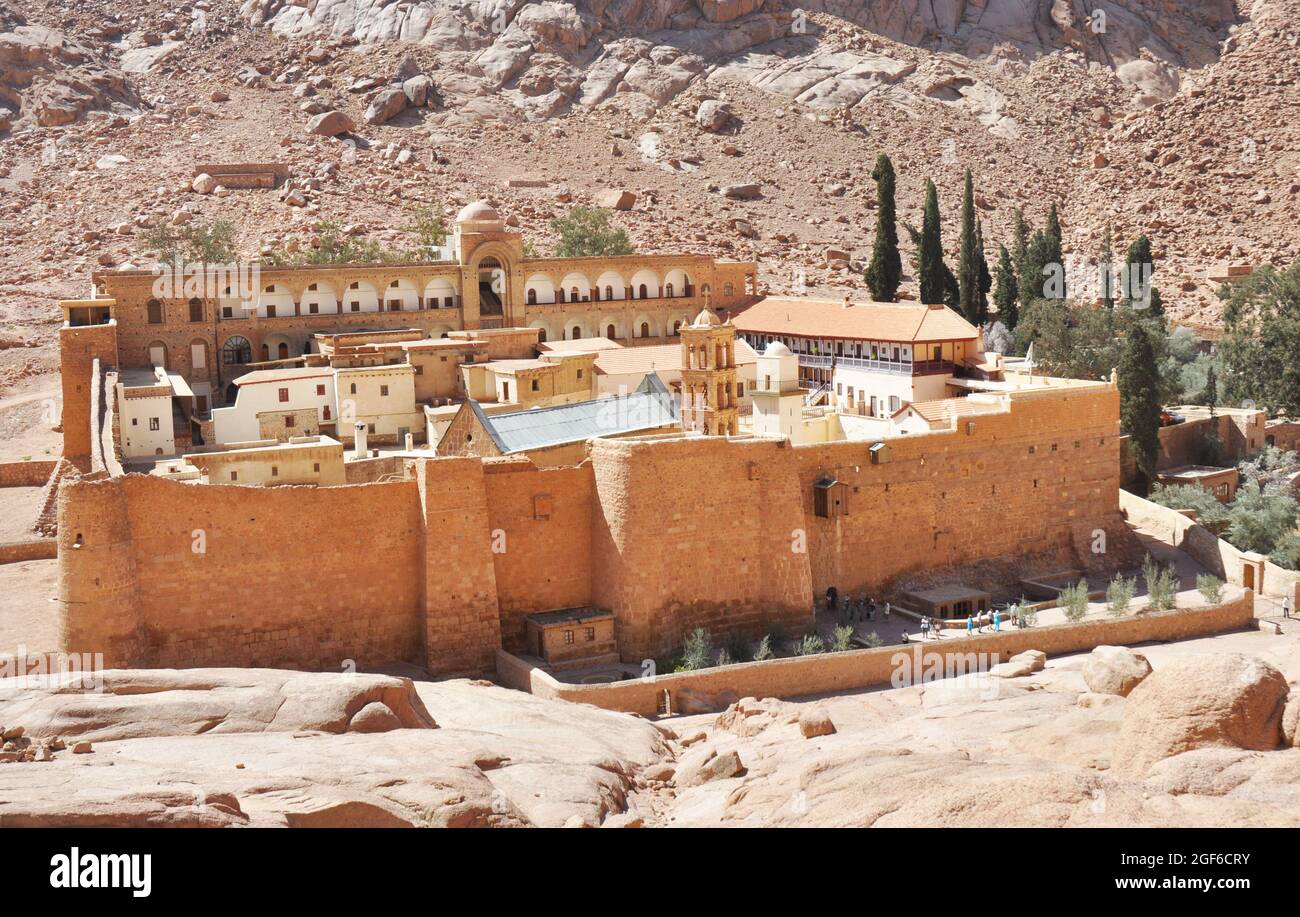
(1180,120)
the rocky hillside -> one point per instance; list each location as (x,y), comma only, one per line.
(1181,120)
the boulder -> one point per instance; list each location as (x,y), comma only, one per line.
(616,199)
(417,90)
(814,723)
(713,115)
(707,765)
(331,124)
(747,192)
(1226,701)
(204,183)
(1115,670)
(1020,665)
(385,106)
(374,717)
(1291,723)
(727,10)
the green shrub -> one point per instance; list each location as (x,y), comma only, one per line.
(1211,587)
(1162,585)
(873,640)
(1119,594)
(1188,496)
(841,641)
(1074,600)
(811,645)
(697,653)
(764,651)
(586,232)
(724,656)
(1287,552)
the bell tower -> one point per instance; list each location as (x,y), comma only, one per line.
(709,399)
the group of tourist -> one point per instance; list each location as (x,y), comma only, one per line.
(863,608)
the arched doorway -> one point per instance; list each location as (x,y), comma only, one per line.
(491,287)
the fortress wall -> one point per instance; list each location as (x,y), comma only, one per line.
(696,533)
(171,574)
(462,629)
(540,521)
(670,534)
(952,498)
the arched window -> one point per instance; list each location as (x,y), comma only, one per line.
(609,291)
(577,333)
(532,297)
(728,288)
(609,332)
(668,290)
(196,310)
(645,330)
(643,292)
(574,295)
(266,353)
(283,351)
(155,310)
(559,294)
(541,335)
(236,351)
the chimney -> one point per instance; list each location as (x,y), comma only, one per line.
(410,442)
(359,446)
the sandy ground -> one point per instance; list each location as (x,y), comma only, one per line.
(27,416)
(18,509)
(27,616)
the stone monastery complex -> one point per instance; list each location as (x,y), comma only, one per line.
(568,459)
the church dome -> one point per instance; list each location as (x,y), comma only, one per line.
(777,349)
(478,213)
(706,318)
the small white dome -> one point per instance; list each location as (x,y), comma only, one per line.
(478,212)
(777,349)
(705,319)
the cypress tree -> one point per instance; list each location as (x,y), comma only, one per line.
(1106,269)
(1055,255)
(1139,400)
(968,276)
(1020,233)
(886,269)
(1004,293)
(1033,281)
(1138,269)
(986,279)
(930,264)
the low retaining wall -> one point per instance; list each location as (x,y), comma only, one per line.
(839,672)
(25,474)
(1209,550)
(37,549)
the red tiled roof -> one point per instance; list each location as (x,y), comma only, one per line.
(868,321)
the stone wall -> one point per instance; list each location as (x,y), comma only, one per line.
(1001,485)
(36,549)
(839,672)
(25,474)
(697,532)
(668,533)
